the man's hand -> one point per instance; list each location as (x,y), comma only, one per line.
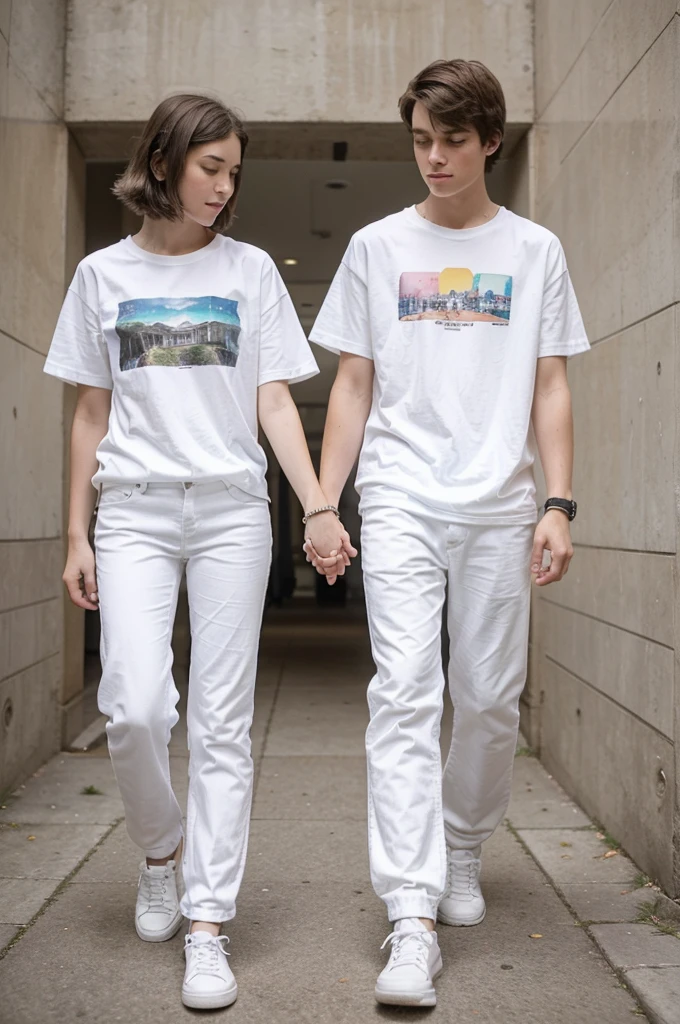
(80,576)
(553,535)
(333,566)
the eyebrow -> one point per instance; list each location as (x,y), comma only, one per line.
(211,156)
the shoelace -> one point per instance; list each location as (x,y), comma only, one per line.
(461,877)
(154,892)
(206,955)
(409,949)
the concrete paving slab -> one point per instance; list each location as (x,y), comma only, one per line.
(318,730)
(658,989)
(538,801)
(637,945)
(577,855)
(302,954)
(54,795)
(283,851)
(116,861)
(54,852)
(606,902)
(7,933)
(318,788)
(21,898)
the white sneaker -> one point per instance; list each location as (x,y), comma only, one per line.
(462,902)
(415,961)
(157,914)
(208,981)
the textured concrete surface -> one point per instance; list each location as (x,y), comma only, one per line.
(342,61)
(658,991)
(306,940)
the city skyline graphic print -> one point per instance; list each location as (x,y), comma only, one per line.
(455,295)
(198,330)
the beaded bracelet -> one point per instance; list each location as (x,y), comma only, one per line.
(317,511)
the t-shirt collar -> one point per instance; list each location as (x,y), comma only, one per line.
(453,234)
(174,261)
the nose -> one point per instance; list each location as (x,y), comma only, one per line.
(436,155)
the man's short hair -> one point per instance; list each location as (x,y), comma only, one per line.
(177,124)
(459,95)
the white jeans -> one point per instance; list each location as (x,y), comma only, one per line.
(144,537)
(413,811)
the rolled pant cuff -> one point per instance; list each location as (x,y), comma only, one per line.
(164,850)
(209,916)
(420,905)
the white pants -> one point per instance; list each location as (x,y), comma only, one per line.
(413,811)
(145,535)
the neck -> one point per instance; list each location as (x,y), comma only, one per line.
(467,209)
(172,238)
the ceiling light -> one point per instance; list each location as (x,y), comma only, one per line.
(290,262)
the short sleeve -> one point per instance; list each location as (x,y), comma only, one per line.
(343,323)
(562,330)
(284,350)
(78,353)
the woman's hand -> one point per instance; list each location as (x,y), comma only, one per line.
(325,536)
(80,575)
(553,535)
(334,566)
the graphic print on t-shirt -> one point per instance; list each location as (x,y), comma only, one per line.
(200,330)
(455,295)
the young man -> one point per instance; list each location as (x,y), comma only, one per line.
(453,320)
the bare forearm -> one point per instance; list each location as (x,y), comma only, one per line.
(343,437)
(553,427)
(281,423)
(85,439)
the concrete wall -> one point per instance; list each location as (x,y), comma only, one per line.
(304,60)
(602,701)
(33,213)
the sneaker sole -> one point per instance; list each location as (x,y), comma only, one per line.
(425,998)
(163,936)
(455,923)
(214,1001)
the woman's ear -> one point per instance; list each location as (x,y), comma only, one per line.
(158,166)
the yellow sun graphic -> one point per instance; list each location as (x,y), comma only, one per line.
(455,279)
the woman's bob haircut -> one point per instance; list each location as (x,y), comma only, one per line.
(177,124)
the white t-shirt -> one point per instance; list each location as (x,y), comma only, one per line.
(183,342)
(454,322)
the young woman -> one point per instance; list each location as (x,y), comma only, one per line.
(179,339)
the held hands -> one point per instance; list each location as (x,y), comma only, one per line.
(325,533)
(80,575)
(553,535)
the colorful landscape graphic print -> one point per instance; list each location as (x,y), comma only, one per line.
(455,294)
(196,331)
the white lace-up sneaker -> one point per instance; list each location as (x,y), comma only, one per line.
(462,902)
(208,981)
(415,961)
(157,914)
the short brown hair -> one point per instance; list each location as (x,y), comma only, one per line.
(177,124)
(459,95)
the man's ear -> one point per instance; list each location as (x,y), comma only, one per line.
(493,144)
(158,166)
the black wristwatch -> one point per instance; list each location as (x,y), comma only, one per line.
(564,505)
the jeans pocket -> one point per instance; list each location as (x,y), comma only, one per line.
(238,494)
(115,494)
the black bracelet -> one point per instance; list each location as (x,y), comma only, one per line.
(564,505)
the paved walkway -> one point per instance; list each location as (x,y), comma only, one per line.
(306,942)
